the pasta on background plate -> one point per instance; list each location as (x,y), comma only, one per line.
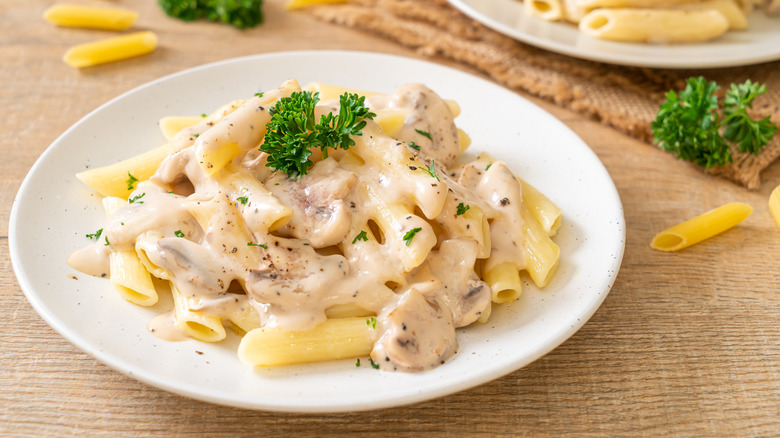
(381,244)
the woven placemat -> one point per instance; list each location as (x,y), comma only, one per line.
(626,98)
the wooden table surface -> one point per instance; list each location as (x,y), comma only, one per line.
(686,344)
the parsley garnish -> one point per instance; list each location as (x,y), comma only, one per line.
(689,125)
(361,236)
(357,363)
(203,115)
(107,243)
(414,146)
(410,235)
(374,365)
(432,170)
(462,208)
(259,94)
(95,236)
(488,167)
(371,322)
(292,132)
(131,180)
(136,198)
(242,199)
(195,135)
(238,13)
(178,233)
(261,245)
(424,134)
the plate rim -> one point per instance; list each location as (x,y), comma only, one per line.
(608,58)
(150,378)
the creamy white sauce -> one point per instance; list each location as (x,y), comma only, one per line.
(198,236)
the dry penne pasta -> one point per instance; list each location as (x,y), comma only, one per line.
(90,17)
(111,49)
(701,227)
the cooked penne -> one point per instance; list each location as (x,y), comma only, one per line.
(334,339)
(373,241)
(111,49)
(654,25)
(550,10)
(701,227)
(90,17)
(504,282)
(734,14)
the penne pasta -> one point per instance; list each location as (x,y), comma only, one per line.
(332,340)
(701,227)
(774,204)
(654,25)
(504,282)
(550,10)
(90,17)
(111,49)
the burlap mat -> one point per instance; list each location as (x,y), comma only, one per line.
(626,98)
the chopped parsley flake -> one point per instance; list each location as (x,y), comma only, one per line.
(371,322)
(361,236)
(462,208)
(357,363)
(488,166)
(203,114)
(432,170)
(95,236)
(178,233)
(261,245)
(424,134)
(242,199)
(131,180)
(410,235)
(195,135)
(259,94)
(136,198)
(107,242)
(414,146)
(374,365)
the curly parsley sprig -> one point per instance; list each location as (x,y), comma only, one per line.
(292,132)
(690,125)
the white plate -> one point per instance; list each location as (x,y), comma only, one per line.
(53,211)
(760,43)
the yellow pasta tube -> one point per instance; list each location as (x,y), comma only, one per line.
(504,282)
(391,120)
(143,243)
(654,25)
(774,204)
(734,14)
(115,179)
(90,17)
(111,49)
(128,276)
(542,208)
(298,4)
(550,10)
(171,125)
(203,327)
(701,227)
(261,210)
(541,253)
(332,340)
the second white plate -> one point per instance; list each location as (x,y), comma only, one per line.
(760,43)
(53,211)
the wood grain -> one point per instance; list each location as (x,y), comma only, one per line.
(686,344)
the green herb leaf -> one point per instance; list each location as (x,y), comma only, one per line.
(106,239)
(238,13)
(196,135)
(361,236)
(203,115)
(259,94)
(424,134)
(178,233)
(135,199)
(410,235)
(689,125)
(488,167)
(374,365)
(414,146)
(96,235)
(371,322)
(432,170)
(131,180)
(357,363)
(261,245)
(462,208)
(243,200)
(292,132)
